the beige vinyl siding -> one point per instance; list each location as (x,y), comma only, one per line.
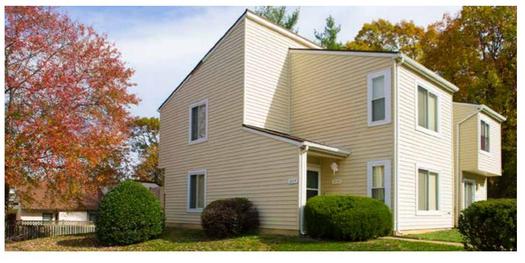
(417,148)
(490,162)
(267,91)
(329,105)
(237,161)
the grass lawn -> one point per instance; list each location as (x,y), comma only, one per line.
(195,240)
(452,235)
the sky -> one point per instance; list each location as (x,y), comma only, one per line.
(163,44)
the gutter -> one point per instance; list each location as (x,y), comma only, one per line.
(414,65)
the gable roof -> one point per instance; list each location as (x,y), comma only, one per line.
(261,20)
(485,109)
(39,197)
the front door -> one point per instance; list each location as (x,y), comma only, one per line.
(312,183)
(469,192)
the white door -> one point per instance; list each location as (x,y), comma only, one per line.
(469,193)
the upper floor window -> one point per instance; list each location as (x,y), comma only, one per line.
(427,109)
(379,180)
(427,190)
(485,136)
(379,97)
(199,122)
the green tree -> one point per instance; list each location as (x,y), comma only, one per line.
(145,143)
(279,16)
(328,38)
(381,34)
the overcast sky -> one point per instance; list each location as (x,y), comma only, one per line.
(163,44)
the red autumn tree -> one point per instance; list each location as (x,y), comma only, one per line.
(66,102)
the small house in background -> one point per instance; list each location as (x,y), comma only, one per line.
(39,204)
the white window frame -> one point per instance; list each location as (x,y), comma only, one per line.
(317,168)
(386,179)
(435,92)
(433,169)
(489,152)
(388,100)
(463,191)
(193,105)
(188,186)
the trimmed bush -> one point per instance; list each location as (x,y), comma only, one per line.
(229,217)
(128,214)
(489,225)
(350,218)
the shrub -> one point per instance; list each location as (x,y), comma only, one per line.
(128,214)
(229,217)
(489,225)
(349,218)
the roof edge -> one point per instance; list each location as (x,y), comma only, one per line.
(419,68)
(485,109)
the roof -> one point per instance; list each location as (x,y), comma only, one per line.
(486,110)
(40,197)
(301,142)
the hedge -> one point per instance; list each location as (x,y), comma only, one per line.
(229,217)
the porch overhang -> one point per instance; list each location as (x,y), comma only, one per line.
(313,148)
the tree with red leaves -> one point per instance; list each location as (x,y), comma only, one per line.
(66,102)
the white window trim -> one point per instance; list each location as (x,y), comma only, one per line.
(489,153)
(463,191)
(388,101)
(317,168)
(432,169)
(195,104)
(386,179)
(432,90)
(190,173)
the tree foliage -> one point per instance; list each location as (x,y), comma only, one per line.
(279,16)
(145,143)
(66,101)
(328,38)
(476,50)
(381,34)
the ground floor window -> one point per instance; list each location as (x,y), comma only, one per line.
(428,190)
(469,192)
(312,183)
(196,190)
(47,217)
(379,180)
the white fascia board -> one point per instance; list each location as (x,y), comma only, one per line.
(414,65)
(345,53)
(327,149)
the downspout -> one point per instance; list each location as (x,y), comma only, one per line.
(459,175)
(302,186)
(396,146)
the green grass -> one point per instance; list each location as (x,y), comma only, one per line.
(195,240)
(452,235)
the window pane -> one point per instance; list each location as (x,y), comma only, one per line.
(378,109)
(193,191)
(312,179)
(194,123)
(311,193)
(432,112)
(422,190)
(432,191)
(378,87)
(378,176)
(202,121)
(200,191)
(422,107)
(378,193)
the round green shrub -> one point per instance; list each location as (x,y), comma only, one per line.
(229,217)
(350,218)
(489,225)
(128,214)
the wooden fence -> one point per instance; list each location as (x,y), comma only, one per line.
(23,230)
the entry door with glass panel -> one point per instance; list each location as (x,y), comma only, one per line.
(312,183)
(470,191)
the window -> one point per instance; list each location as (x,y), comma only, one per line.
(428,194)
(469,192)
(379,97)
(379,180)
(92,216)
(427,109)
(196,190)
(199,122)
(485,137)
(47,217)
(312,183)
